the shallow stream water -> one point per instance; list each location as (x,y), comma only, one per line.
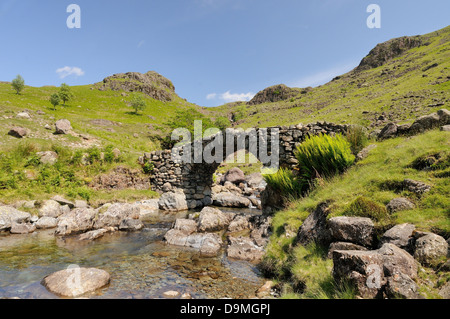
(141,265)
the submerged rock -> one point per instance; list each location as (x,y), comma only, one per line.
(76,281)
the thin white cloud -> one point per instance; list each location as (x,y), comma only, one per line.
(322,77)
(69,70)
(231,97)
(211,96)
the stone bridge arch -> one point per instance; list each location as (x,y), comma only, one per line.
(184,169)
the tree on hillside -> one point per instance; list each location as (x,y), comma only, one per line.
(18,84)
(138,103)
(65,94)
(55,100)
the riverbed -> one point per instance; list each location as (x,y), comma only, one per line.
(141,265)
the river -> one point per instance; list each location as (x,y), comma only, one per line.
(141,265)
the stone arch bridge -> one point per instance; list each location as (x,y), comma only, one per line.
(184,169)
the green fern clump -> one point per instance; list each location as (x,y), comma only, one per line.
(285,182)
(323,156)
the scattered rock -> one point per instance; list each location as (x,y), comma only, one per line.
(115,214)
(445,128)
(63,127)
(75,282)
(173,202)
(23,115)
(399,204)
(131,225)
(187,226)
(46,222)
(208,244)
(315,227)
(401,286)
(62,201)
(230,200)
(343,246)
(416,187)
(81,204)
(212,219)
(50,208)
(22,228)
(397,261)
(358,230)
(390,130)
(171,294)
(76,221)
(364,269)
(265,289)
(244,248)
(48,157)
(93,234)
(430,248)
(444,292)
(400,235)
(234,175)
(10,215)
(239,223)
(365,152)
(18,132)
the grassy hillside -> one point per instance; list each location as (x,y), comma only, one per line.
(128,131)
(376,180)
(414,83)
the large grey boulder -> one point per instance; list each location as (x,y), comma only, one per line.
(397,261)
(340,245)
(234,175)
(399,204)
(403,287)
(62,201)
(212,219)
(358,230)
(390,130)
(207,243)
(46,222)
(401,236)
(173,202)
(9,215)
(244,248)
(315,227)
(18,132)
(430,248)
(187,226)
(239,223)
(115,214)
(424,123)
(444,116)
(63,126)
(364,269)
(24,228)
(76,221)
(230,200)
(129,224)
(76,281)
(50,208)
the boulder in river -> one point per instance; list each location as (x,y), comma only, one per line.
(74,282)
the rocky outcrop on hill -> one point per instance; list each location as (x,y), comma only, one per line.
(151,83)
(387,51)
(274,93)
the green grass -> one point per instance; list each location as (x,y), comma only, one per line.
(361,191)
(24,177)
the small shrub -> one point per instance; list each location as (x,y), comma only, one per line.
(148,167)
(432,162)
(357,137)
(323,156)
(94,154)
(364,207)
(284,182)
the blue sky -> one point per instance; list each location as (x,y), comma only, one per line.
(214,51)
